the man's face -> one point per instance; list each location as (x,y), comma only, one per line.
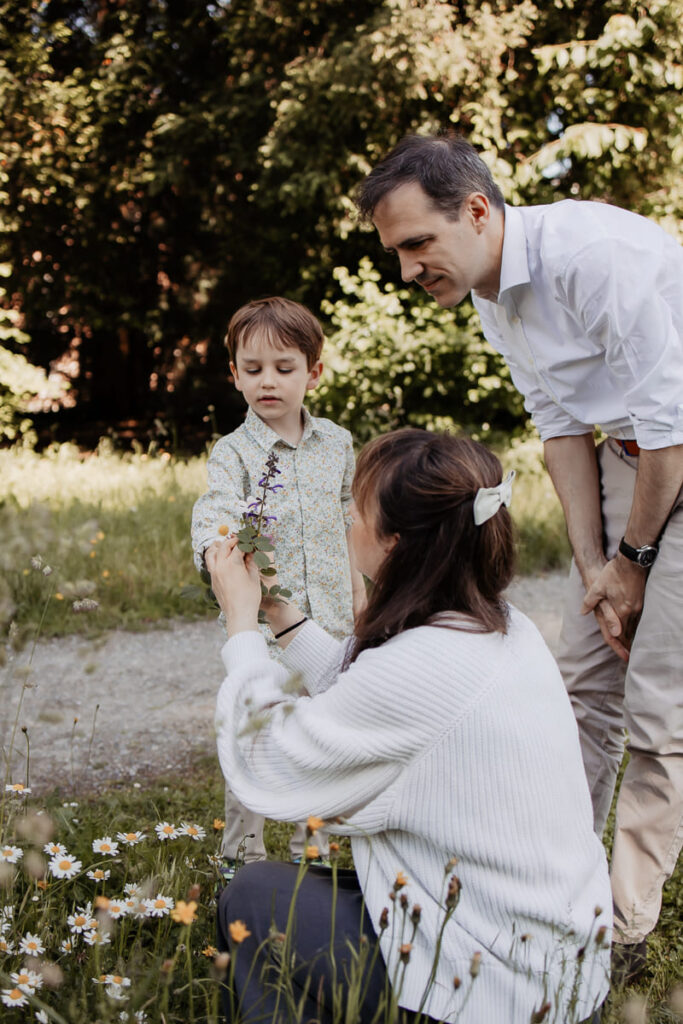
(448,258)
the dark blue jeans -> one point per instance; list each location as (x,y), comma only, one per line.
(260,895)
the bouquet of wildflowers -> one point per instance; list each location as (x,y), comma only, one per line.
(252,539)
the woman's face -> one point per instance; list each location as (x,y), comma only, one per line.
(369,548)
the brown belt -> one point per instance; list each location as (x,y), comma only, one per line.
(630,447)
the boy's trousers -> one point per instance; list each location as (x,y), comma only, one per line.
(243,834)
(645,697)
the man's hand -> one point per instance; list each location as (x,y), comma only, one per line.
(616,596)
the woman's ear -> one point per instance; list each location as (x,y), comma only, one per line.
(389,542)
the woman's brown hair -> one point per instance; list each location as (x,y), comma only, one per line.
(421,486)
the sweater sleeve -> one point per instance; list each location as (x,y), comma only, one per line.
(335,754)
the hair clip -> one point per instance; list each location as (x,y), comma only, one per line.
(488,500)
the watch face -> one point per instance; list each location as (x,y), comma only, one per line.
(646,557)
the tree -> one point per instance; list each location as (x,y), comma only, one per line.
(166,162)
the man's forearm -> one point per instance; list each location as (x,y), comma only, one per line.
(658,481)
(573,467)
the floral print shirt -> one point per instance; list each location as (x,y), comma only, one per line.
(312,510)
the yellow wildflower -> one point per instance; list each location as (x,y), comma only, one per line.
(238,931)
(314,823)
(218,824)
(184,913)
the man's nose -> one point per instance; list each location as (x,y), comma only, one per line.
(410,267)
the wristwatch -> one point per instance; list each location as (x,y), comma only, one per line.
(644,556)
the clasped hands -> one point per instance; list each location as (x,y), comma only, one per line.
(615,592)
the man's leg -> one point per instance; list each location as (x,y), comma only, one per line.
(592,672)
(649,818)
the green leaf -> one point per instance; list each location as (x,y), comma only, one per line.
(244,545)
(261,559)
(263,544)
(284,592)
(268,572)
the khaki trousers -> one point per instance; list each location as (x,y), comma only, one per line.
(646,698)
(243,834)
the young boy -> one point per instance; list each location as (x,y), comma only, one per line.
(274,346)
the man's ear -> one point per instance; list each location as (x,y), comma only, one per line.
(314,375)
(233,371)
(478,209)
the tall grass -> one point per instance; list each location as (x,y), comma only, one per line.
(115,528)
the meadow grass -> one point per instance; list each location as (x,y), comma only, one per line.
(172,966)
(114,528)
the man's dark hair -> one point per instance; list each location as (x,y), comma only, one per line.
(447,168)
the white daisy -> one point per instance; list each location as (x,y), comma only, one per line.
(165,830)
(31,945)
(54,850)
(98,875)
(42,1017)
(13,997)
(11,854)
(64,866)
(105,846)
(6,918)
(137,907)
(81,921)
(131,838)
(116,909)
(96,937)
(66,946)
(159,906)
(132,889)
(195,832)
(27,981)
(5,945)
(18,788)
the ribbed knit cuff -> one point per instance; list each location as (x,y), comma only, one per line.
(312,653)
(245,646)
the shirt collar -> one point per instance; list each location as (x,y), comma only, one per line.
(514,266)
(267,438)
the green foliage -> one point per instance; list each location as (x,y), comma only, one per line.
(398,360)
(163,163)
(19,379)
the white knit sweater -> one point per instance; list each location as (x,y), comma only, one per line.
(439,743)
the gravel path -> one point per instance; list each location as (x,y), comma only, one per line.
(125,704)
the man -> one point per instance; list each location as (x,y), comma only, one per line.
(585,303)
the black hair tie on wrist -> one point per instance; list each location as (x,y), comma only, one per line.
(290,628)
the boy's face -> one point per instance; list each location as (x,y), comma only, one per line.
(274,380)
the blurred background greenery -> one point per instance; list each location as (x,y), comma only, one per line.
(163,162)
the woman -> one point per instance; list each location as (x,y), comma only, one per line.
(441,730)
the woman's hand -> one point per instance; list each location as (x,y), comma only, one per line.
(236,583)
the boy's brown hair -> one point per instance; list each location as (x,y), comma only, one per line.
(285,323)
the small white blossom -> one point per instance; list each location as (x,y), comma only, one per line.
(99,875)
(96,937)
(130,838)
(31,945)
(54,849)
(159,906)
(13,997)
(85,604)
(195,832)
(65,866)
(105,846)
(11,854)
(27,981)
(18,788)
(165,830)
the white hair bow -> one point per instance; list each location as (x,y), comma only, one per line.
(489,499)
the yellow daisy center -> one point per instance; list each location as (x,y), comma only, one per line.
(16,993)
(65,865)
(131,835)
